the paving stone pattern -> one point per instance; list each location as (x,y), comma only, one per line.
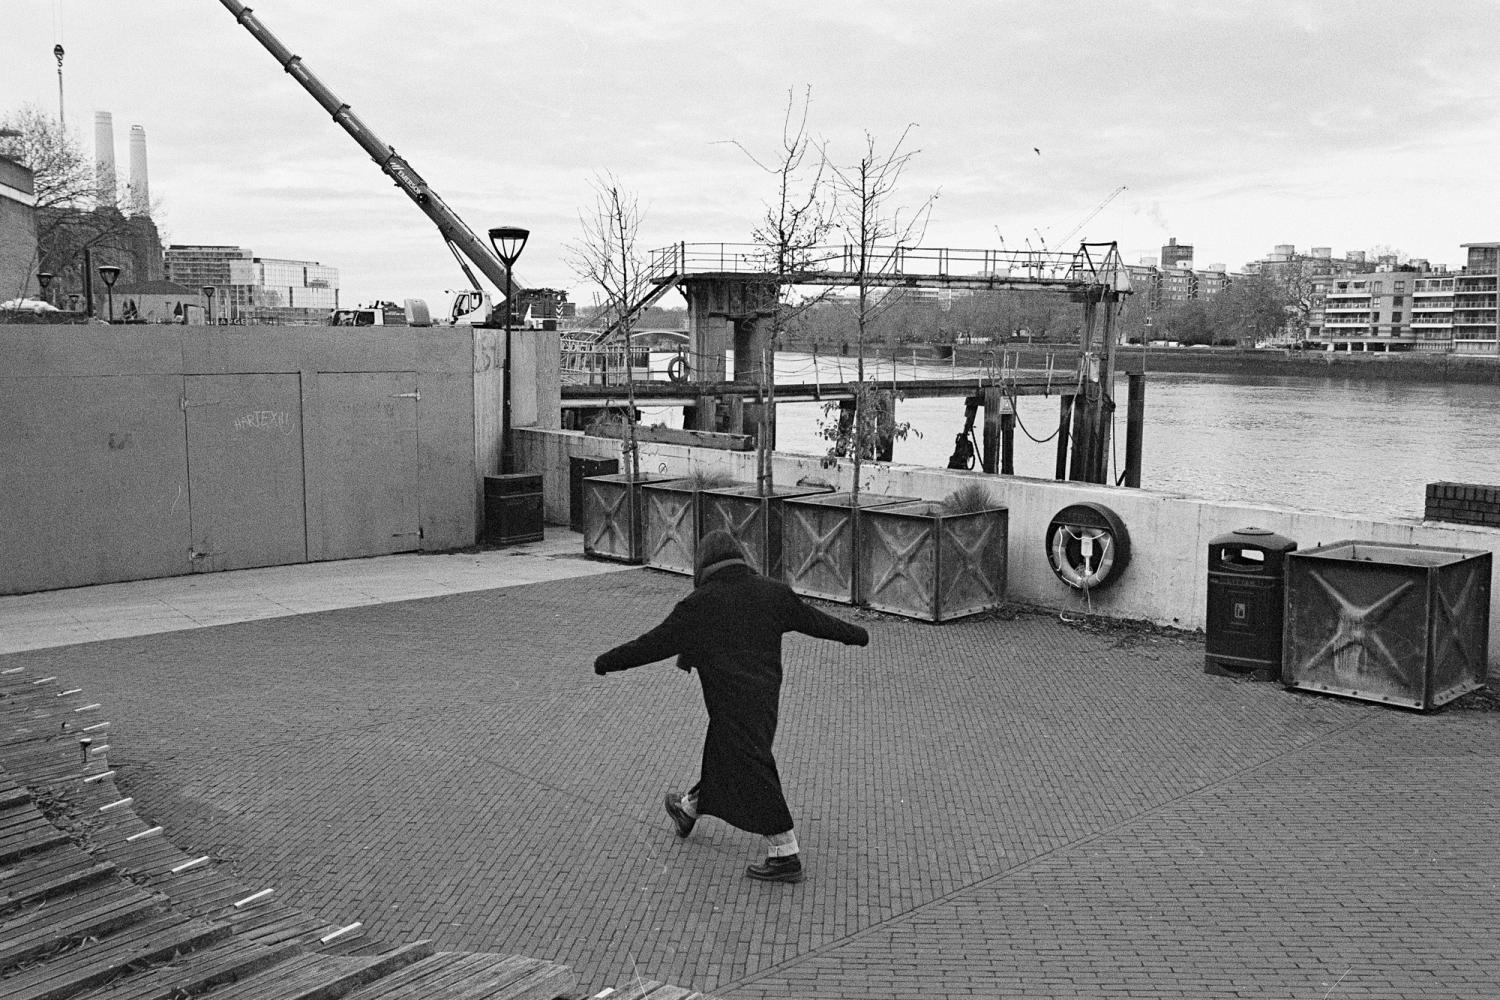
(1005,806)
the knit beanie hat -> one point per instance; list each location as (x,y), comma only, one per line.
(717,550)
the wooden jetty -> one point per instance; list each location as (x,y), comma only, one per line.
(732,408)
(732,298)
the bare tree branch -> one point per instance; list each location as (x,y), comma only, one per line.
(607,256)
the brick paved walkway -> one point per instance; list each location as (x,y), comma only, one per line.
(1005,807)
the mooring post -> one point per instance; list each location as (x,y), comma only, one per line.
(736,413)
(885,425)
(991,439)
(1082,436)
(1135,425)
(1007,442)
(1065,413)
(704,416)
(846,427)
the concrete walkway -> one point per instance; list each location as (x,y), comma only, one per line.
(1016,805)
(144,607)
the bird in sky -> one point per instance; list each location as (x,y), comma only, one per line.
(1038,152)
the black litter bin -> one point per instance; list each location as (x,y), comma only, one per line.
(1246,590)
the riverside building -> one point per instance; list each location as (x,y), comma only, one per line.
(1410,307)
(1475,329)
(251,289)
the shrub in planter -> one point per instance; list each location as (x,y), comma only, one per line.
(670,523)
(934,560)
(614,516)
(818,542)
(754,518)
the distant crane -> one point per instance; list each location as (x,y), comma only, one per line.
(1088,218)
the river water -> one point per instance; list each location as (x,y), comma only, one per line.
(1353,446)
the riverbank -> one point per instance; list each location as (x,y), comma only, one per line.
(1431,368)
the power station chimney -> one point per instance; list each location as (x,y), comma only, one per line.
(140,187)
(104,158)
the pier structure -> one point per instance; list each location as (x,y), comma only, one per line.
(732,297)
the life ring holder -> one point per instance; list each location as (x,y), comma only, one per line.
(1087,546)
(677,368)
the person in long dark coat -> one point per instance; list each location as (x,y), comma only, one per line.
(729,629)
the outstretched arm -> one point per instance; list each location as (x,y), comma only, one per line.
(803,617)
(661,642)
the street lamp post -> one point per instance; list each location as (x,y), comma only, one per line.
(208,310)
(508,241)
(110,273)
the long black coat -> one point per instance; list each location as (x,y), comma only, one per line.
(729,629)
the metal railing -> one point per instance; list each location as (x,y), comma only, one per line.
(1091,264)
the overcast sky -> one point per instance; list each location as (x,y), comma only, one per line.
(1233,126)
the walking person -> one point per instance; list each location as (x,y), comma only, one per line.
(729,629)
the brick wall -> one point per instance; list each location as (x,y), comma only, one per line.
(1463,503)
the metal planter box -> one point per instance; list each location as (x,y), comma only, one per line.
(818,538)
(1400,624)
(752,519)
(670,525)
(613,515)
(923,563)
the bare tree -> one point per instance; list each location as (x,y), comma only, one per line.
(878,233)
(607,256)
(71,213)
(790,234)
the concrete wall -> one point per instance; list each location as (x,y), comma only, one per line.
(17,232)
(129,452)
(536,389)
(1166,581)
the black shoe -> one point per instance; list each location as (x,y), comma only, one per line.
(680,818)
(787,869)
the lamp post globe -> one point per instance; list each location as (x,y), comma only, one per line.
(508,242)
(110,273)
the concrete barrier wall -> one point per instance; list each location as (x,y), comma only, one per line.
(1166,581)
(130,452)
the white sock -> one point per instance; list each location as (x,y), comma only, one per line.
(689,805)
(781,845)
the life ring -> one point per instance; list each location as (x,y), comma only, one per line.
(1087,546)
(677,368)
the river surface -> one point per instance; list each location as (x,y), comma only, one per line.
(1353,446)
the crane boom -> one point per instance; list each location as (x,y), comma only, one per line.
(459,236)
(1088,218)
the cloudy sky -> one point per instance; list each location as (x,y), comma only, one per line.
(1232,125)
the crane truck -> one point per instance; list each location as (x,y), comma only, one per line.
(472,306)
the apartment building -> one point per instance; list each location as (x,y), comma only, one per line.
(1413,306)
(1476,329)
(251,289)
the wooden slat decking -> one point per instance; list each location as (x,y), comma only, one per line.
(96,902)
